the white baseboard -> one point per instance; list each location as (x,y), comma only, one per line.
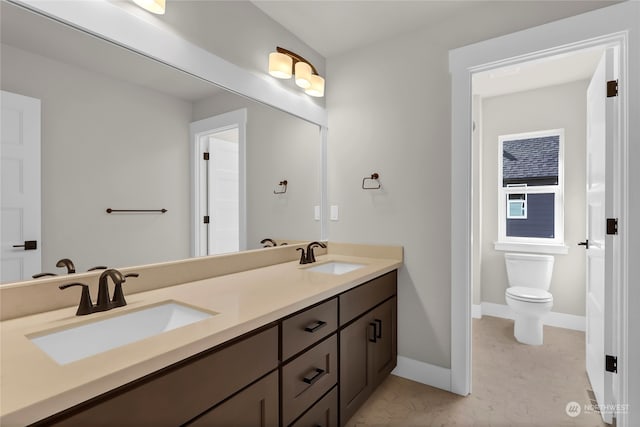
(559,320)
(425,373)
(476,311)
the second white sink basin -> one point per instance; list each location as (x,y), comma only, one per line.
(335,267)
(77,342)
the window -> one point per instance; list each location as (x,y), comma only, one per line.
(530,188)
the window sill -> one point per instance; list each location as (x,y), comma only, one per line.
(559,249)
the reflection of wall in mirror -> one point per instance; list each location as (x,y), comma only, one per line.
(109,143)
(279,146)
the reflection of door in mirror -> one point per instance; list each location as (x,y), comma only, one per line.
(20,169)
(220,181)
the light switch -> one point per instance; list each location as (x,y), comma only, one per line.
(334,213)
(316,213)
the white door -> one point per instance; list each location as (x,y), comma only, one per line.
(20,175)
(219,189)
(599,329)
(223,194)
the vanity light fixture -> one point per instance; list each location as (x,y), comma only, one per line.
(283,64)
(154,6)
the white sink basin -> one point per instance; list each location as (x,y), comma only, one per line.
(335,267)
(77,342)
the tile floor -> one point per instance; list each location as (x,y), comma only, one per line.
(535,393)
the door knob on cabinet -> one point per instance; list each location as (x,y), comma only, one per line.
(585,244)
(29,245)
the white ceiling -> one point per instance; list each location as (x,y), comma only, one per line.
(544,72)
(334,27)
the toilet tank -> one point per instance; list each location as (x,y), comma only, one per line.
(529,270)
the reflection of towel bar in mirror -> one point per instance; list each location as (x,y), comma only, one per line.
(374,177)
(109,210)
(283,187)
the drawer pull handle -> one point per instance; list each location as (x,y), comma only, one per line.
(315,376)
(315,326)
(375,332)
(379,328)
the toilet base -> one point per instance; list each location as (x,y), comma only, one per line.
(528,330)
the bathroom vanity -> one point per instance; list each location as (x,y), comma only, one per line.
(285,345)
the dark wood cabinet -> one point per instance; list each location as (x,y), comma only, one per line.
(256,406)
(322,414)
(179,393)
(368,345)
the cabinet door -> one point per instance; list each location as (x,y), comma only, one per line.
(355,374)
(384,349)
(255,406)
(322,414)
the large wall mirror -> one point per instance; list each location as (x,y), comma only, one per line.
(115,133)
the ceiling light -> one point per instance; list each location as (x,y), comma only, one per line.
(154,6)
(283,64)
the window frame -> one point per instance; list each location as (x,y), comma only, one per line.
(558,190)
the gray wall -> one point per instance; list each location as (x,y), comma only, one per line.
(390,112)
(562,106)
(106,143)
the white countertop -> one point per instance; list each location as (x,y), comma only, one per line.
(33,386)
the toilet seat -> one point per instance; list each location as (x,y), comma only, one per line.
(532,295)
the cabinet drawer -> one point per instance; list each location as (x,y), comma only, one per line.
(308,327)
(254,406)
(178,394)
(361,299)
(307,377)
(322,414)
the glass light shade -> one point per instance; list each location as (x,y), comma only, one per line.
(317,87)
(303,74)
(280,65)
(154,6)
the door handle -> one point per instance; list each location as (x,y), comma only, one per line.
(315,326)
(315,376)
(379,328)
(585,244)
(375,332)
(29,245)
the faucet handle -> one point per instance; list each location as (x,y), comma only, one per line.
(85,306)
(39,275)
(118,295)
(98,267)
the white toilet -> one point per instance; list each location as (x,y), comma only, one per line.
(528,293)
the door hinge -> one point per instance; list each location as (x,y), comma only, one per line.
(206,219)
(205,156)
(611,364)
(612,225)
(612,88)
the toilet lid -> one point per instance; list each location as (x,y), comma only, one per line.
(522,293)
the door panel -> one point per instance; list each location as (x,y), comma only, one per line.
(599,284)
(20,171)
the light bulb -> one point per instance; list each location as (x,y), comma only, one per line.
(303,74)
(317,87)
(154,6)
(280,65)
